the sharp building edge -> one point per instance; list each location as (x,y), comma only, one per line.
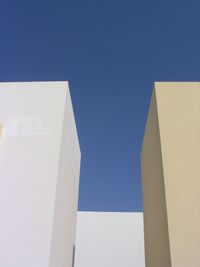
(171,176)
(39,175)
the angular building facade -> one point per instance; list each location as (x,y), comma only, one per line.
(39,175)
(170,161)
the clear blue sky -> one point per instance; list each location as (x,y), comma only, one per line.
(111,52)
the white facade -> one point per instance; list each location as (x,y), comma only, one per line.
(39,174)
(109,239)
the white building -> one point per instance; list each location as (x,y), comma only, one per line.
(39,175)
(39,178)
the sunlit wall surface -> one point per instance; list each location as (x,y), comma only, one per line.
(170,160)
(39,174)
(109,239)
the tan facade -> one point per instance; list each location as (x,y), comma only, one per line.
(170,162)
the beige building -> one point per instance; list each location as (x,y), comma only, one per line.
(170,162)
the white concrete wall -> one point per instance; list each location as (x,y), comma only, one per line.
(109,239)
(39,170)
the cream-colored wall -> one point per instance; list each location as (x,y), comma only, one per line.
(178,111)
(39,171)
(179,120)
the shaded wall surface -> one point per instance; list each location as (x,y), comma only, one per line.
(171,176)
(39,174)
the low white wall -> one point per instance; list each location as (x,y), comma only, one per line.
(109,239)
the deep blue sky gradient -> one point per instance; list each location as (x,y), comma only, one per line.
(111,52)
